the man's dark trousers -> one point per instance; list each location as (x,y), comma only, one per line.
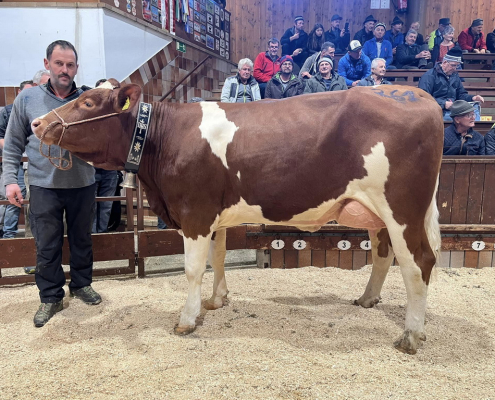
(47,208)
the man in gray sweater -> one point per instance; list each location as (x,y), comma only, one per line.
(53,191)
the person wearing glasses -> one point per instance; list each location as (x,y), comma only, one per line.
(460,138)
(266,65)
(444,84)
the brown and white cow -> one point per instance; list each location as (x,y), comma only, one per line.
(366,157)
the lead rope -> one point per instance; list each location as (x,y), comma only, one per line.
(65,126)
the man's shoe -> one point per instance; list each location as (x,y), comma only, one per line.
(87,294)
(29,270)
(45,312)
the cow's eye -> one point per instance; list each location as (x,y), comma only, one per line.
(88,104)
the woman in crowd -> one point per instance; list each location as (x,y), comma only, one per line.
(441,49)
(315,39)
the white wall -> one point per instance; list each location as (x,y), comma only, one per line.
(108,44)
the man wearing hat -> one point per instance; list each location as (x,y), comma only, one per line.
(366,33)
(472,39)
(355,65)
(284,83)
(294,42)
(337,36)
(460,138)
(325,80)
(394,35)
(378,46)
(310,66)
(436,37)
(444,84)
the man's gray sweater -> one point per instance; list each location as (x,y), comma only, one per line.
(30,104)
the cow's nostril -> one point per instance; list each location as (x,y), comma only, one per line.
(36,123)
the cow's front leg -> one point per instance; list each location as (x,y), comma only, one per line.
(383,256)
(196,253)
(216,258)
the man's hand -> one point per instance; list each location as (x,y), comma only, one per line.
(306,74)
(295,36)
(342,33)
(14,194)
(482,51)
(478,98)
(297,52)
(427,38)
(476,51)
(355,83)
(448,104)
(423,54)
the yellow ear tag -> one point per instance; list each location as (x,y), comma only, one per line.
(126,105)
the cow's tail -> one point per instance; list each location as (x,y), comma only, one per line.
(432,226)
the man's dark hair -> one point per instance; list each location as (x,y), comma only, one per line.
(327,45)
(273,40)
(99,82)
(63,44)
(21,86)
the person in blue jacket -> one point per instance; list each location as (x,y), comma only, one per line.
(378,47)
(355,65)
(395,35)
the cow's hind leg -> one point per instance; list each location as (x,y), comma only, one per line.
(196,253)
(383,256)
(216,258)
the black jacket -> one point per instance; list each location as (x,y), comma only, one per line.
(473,144)
(406,55)
(288,47)
(490,41)
(340,43)
(490,142)
(363,37)
(275,90)
(4,119)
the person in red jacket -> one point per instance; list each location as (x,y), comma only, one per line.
(266,65)
(472,39)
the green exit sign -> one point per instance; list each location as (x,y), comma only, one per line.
(181,47)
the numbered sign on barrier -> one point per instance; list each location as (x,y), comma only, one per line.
(344,245)
(365,244)
(278,244)
(478,245)
(299,244)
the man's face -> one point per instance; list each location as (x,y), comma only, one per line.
(273,49)
(26,86)
(368,26)
(415,26)
(477,29)
(379,32)
(411,39)
(465,120)
(286,67)
(62,66)
(397,28)
(355,54)
(245,72)
(380,69)
(449,67)
(335,24)
(441,27)
(324,67)
(330,52)
(299,25)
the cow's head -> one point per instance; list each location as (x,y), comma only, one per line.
(96,127)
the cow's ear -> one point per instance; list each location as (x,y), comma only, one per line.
(127,97)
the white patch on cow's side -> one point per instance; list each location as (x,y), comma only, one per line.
(217,129)
(239,175)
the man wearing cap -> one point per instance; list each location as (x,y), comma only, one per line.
(377,77)
(444,84)
(460,138)
(378,46)
(472,39)
(266,65)
(284,83)
(394,35)
(294,42)
(337,36)
(365,34)
(436,37)
(310,66)
(325,80)
(355,65)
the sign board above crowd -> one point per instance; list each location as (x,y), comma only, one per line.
(204,22)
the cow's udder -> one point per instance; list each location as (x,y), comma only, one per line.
(354,215)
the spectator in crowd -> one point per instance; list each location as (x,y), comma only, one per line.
(490,42)
(460,138)
(378,46)
(441,49)
(285,83)
(106,185)
(338,36)
(377,77)
(355,65)
(394,35)
(11,216)
(444,84)
(411,55)
(294,42)
(53,192)
(310,66)
(315,39)
(472,39)
(365,34)
(241,88)
(490,142)
(41,77)
(436,37)
(326,80)
(415,27)
(266,65)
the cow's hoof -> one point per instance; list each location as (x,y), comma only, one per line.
(184,330)
(409,342)
(367,303)
(216,303)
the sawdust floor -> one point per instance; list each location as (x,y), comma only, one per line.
(287,334)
